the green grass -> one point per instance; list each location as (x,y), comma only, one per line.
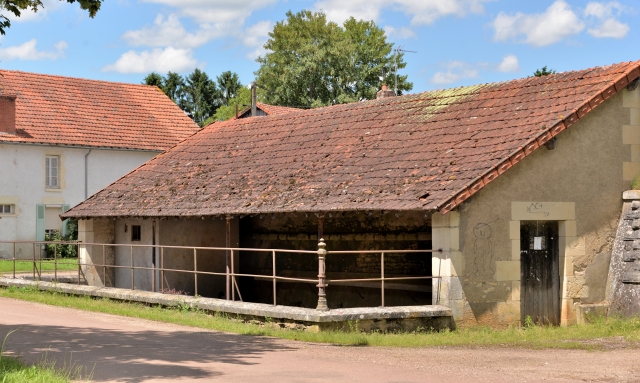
(13,370)
(64,264)
(591,336)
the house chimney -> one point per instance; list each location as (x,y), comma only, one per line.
(384,92)
(7,113)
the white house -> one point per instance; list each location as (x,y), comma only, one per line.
(63,139)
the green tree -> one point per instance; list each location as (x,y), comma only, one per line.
(17,6)
(313,62)
(173,86)
(201,97)
(229,84)
(154,79)
(544,71)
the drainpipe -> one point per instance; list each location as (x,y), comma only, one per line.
(86,174)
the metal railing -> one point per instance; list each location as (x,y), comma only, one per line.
(231,285)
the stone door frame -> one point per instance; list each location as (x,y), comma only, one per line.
(569,243)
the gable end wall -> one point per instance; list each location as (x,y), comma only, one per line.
(580,183)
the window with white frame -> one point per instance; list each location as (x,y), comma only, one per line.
(7,209)
(52,164)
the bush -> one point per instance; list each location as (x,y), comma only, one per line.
(63,251)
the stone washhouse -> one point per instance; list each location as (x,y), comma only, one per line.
(517,186)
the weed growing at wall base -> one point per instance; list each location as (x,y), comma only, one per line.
(601,334)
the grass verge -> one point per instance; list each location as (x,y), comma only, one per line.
(14,371)
(590,336)
(64,264)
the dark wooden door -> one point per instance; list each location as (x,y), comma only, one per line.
(539,271)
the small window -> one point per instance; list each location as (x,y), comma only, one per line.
(51,172)
(135,232)
(7,209)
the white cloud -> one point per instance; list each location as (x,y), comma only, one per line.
(559,21)
(29,52)
(156,60)
(216,11)
(168,31)
(401,33)
(255,37)
(608,25)
(509,63)
(456,71)
(602,10)
(610,28)
(420,11)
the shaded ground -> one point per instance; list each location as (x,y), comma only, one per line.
(130,350)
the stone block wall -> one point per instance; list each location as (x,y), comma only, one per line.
(348,231)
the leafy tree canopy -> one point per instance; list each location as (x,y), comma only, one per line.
(313,62)
(197,94)
(229,84)
(17,6)
(544,71)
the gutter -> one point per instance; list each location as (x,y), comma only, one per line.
(86,174)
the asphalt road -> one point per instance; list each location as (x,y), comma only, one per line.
(121,349)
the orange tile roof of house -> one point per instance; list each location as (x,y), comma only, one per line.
(68,111)
(429,151)
(272,110)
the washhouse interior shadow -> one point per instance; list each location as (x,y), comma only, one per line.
(135,356)
(341,231)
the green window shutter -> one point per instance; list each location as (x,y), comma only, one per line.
(40,222)
(65,208)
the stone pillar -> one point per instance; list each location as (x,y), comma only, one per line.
(92,231)
(447,264)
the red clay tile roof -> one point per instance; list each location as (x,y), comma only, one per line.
(71,111)
(419,152)
(270,110)
(275,109)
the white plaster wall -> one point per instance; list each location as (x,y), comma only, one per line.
(22,181)
(142,256)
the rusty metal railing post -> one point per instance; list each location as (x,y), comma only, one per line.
(227,260)
(195,270)
(382,276)
(34,261)
(104,267)
(162,269)
(233,280)
(79,262)
(55,262)
(133,277)
(14,260)
(322,295)
(273,258)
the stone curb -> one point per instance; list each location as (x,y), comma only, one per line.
(241,308)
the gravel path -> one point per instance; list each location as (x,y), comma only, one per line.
(120,349)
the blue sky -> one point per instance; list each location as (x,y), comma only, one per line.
(458,42)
